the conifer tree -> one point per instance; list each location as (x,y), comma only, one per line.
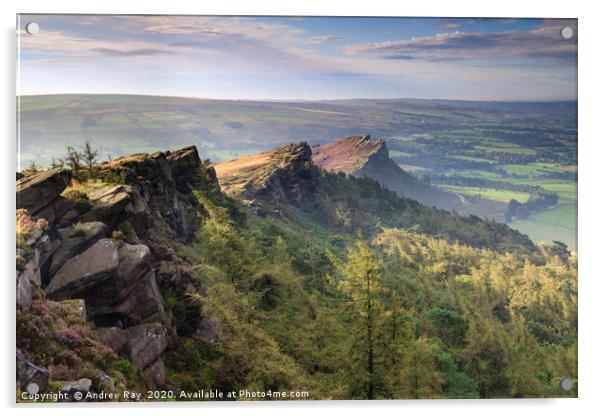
(362,284)
(89,156)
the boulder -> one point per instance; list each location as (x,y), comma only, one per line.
(44,249)
(108,205)
(85,271)
(131,292)
(184,165)
(154,374)
(113,337)
(59,209)
(38,190)
(103,383)
(75,240)
(81,387)
(151,168)
(138,213)
(146,342)
(30,375)
(24,286)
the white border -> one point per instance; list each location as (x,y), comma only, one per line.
(590,176)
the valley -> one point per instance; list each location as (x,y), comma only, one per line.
(486,152)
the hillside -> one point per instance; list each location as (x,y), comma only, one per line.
(486,153)
(141,274)
(363,156)
(290,175)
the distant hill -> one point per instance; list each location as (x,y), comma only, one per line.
(364,156)
(224,129)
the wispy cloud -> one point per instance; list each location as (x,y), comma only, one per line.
(544,42)
(70,45)
(324,39)
(131,52)
(286,58)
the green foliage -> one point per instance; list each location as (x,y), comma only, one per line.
(457,384)
(349,204)
(406,315)
(448,325)
(361,283)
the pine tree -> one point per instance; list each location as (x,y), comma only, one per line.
(419,375)
(74,160)
(89,156)
(362,283)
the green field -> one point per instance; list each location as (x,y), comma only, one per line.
(488,193)
(559,223)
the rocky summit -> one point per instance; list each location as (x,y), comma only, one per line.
(285,175)
(365,156)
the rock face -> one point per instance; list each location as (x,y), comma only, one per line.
(65,251)
(38,190)
(285,175)
(364,156)
(146,343)
(131,293)
(74,240)
(183,163)
(113,337)
(161,180)
(35,246)
(84,271)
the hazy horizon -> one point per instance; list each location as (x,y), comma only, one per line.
(299,58)
(191,97)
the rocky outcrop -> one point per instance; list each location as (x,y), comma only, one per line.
(162,180)
(30,377)
(109,205)
(40,189)
(154,374)
(97,252)
(146,343)
(35,246)
(285,175)
(77,390)
(113,337)
(83,272)
(74,240)
(131,294)
(183,163)
(364,156)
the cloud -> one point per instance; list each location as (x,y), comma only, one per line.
(541,43)
(70,45)
(323,39)
(130,52)
(449,24)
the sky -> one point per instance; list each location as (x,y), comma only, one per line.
(306,58)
